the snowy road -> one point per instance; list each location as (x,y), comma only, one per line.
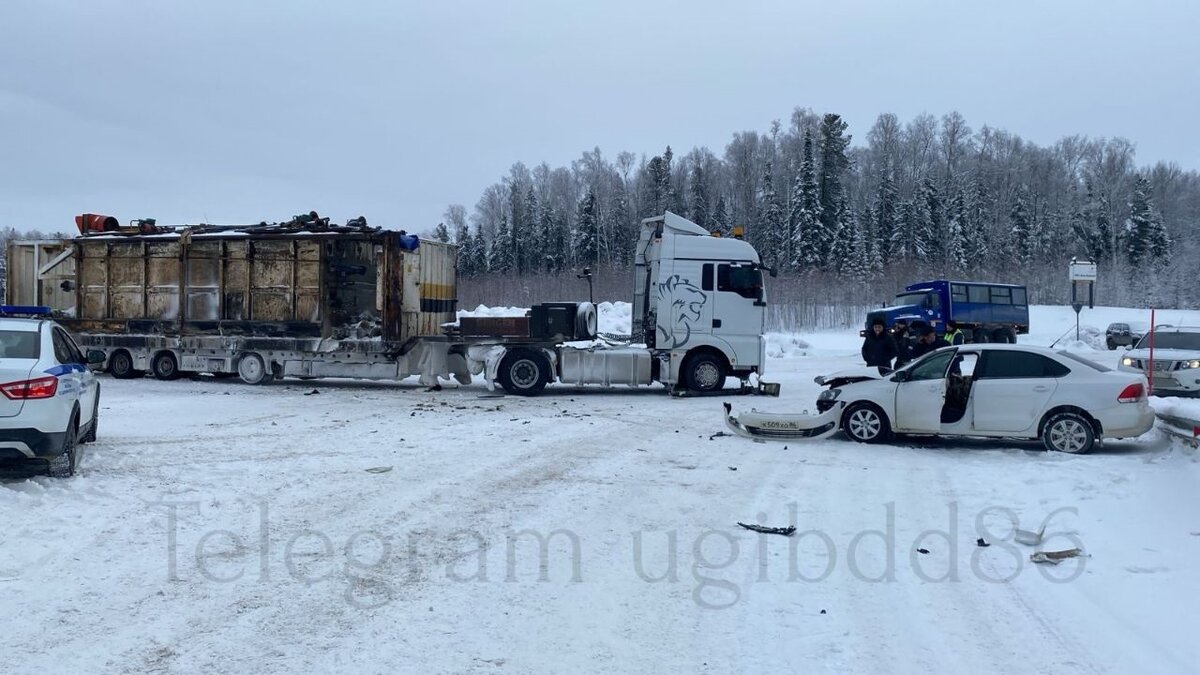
(225,528)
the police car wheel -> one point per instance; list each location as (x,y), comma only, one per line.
(64,464)
(90,436)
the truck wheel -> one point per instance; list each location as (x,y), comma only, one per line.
(1068,432)
(523,372)
(866,423)
(980,336)
(64,464)
(120,366)
(1003,336)
(1110,344)
(164,366)
(704,373)
(253,369)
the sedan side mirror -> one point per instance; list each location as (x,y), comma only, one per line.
(900,376)
(95,357)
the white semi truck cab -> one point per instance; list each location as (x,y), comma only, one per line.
(699,307)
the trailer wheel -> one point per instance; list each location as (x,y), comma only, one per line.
(164,366)
(980,336)
(523,372)
(120,366)
(704,373)
(252,369)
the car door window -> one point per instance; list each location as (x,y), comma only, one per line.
(76,352)
(932,368)
(63,348)
(1005,364)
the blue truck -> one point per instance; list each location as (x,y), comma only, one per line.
(985,312)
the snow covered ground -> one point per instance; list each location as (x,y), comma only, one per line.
(383,528)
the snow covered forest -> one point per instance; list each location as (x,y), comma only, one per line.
(848,225)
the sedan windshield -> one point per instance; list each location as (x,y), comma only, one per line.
(1171,341)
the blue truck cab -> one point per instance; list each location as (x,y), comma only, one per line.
(985,312)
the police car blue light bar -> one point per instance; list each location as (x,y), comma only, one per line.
(24,310)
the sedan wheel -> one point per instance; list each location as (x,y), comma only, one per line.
(865,423)
(1068,432)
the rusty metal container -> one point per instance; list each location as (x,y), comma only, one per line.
(303,284)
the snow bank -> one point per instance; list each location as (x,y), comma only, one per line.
(786,346)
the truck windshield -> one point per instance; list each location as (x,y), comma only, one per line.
(911,298)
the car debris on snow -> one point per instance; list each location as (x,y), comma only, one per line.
(379,469)
(1029,538)
(785,531)
(1055,557)
(982,543)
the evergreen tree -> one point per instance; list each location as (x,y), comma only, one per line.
(1020,226)
(440,233)
(934,226)
(975,234)
(720,218)
(699,198)
(805,212)
(500,258)
(857,263)
(462,238)
(527,237)
(654,195)
(956,239)
(834,163)
(907,244)
(586,243)
(771,225)
(925,216)
(886,199)
(1146,238)
(478,256)
(625,229)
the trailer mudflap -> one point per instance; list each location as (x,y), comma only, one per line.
(783,426)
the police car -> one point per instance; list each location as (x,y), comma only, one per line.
(49,397)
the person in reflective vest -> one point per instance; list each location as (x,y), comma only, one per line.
(953,335)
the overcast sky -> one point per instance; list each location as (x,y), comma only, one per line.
(235,111)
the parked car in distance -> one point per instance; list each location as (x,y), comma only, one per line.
(994,391)
(1123,334)
(50,398)
(1175,370)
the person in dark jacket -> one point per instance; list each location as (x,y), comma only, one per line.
(926,343)
(903,348)
(878,347)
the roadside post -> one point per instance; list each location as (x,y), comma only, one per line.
(1082,275)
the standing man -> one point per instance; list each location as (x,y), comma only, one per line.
(926,343)
(878,347)
(903,349)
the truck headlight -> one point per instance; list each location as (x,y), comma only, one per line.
(1189,364)
(829,395)
(1127,361)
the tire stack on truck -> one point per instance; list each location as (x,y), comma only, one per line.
(302,298)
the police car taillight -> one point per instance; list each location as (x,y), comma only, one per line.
(42,387)
(1132,393)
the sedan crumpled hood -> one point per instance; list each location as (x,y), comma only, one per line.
(853,374)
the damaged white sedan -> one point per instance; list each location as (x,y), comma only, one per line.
(985,390)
